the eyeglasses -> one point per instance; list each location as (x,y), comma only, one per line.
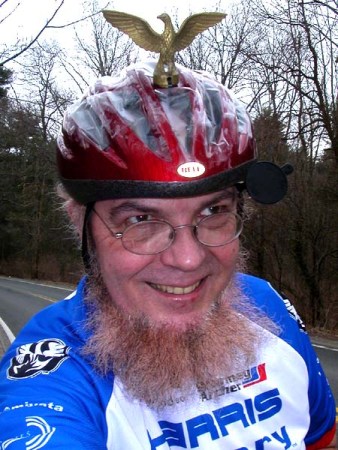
(154,236)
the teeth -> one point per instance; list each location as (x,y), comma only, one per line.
(175,289)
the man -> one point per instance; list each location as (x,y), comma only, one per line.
(165,343)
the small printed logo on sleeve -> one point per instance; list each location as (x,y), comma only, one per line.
(42,357)
(293,313)
(31,440)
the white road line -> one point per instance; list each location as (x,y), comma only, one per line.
(326,348)
(43,297)
(7,331)
(38,284)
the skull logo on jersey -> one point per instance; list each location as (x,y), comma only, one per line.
(37,358)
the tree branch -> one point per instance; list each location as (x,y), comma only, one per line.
(26,47)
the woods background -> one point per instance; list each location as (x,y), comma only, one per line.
(280,58)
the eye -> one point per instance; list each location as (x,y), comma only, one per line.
(216,209)
(139,218)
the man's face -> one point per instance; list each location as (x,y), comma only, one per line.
(178,286)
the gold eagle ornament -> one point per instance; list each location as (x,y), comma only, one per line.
(167,43)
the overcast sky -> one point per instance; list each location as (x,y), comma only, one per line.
(30,15)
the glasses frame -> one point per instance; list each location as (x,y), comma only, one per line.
(120,234)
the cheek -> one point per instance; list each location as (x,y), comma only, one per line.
(122,275)
(227,256)
(117,264)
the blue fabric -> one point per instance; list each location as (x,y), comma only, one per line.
(50,395)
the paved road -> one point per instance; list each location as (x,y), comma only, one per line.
(329,360)
(20,299)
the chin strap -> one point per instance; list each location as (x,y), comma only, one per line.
(84,244)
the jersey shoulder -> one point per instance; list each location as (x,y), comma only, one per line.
(274,304)
(45,375)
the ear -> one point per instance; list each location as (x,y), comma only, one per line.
(76,213)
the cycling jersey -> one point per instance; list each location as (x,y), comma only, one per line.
(51,397)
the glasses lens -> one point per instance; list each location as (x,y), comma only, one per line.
(148,238)
(219,229)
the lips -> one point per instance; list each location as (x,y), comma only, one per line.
(176,290)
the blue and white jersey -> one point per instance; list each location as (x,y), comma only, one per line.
(51,397)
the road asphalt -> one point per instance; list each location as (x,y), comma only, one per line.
(4,341)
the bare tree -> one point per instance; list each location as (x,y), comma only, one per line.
(49,76)
(299,52)
(294,75)
(222,50)
(40,88)
(9,53)
(99,50)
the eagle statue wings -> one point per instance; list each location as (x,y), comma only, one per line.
(167,43)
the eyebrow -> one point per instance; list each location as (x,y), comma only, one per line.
(224,195)
(134,206)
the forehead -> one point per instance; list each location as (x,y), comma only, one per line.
(164,204)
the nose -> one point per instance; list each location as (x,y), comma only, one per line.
(186,252)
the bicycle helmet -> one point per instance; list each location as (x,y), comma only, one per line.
(129,138)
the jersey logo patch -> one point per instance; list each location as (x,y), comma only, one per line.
(30,439)
(42,357)
(257,375)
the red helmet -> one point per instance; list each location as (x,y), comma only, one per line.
(129,138)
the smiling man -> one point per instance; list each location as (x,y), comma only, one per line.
(165,343)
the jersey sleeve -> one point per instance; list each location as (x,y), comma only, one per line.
(321,401)
(322,408)
(49,395)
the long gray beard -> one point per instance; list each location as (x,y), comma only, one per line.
(160,365)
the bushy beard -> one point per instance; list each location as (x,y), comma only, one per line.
(160,365)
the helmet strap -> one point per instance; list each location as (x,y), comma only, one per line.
(84,245)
